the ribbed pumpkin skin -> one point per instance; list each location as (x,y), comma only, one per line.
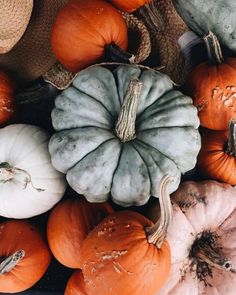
(7,88)
(82,29)
(20,235)
(117,258)
(213,89)
(213,161)
(68,225)
(75,285)
(216,16)
(129,5)
(97,163)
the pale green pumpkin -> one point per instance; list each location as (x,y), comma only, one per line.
(156,134)
(218,16)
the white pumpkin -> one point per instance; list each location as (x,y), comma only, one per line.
(29,185)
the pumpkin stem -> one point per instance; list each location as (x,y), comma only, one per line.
(231,146)
(10,262)
(206,253)
(125,125)
(152,16)
(157,232)
(213,49)
(7,173)
(114,53)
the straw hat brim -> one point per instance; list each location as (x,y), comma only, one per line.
(32,56)
(11,32)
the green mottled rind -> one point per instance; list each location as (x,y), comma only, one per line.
(203,16)
(98,165)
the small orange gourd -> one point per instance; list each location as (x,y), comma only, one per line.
(212,86)
(68,225)
(7,88)
(24,256)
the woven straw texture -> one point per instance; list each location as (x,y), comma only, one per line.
(32,55)
(164,35)
(14,18)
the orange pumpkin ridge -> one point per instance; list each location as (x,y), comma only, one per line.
(127,254)
(129,5)
(213,87)
(76,285)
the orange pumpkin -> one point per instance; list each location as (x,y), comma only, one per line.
(24,256)
(83,31)
(7,88)
(129,5)
(127,254)
(217,157)
(68,225)
(75,285)
(213,88)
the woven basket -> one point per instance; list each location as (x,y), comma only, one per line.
(165,27)
(61,78)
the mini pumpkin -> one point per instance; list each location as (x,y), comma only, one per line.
(29,184)
(119,132)
(68,225)
(212,85)
(202,240)
(7,88)
(216,16)
(85,30)
(76,285)
(129,5)
(24,256)
(127,254)
(217,157)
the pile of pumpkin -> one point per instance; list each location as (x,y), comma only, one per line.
(125,136)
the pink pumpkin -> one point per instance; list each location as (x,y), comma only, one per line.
(203,240)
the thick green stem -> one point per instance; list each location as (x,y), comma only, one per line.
(156,234)
(115,53)
(125,126)
(11,261)
(231,146)
(213,49)
(8,173)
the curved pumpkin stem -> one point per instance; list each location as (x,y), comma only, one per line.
(157,233)
(213,49)
(114,53)
(231,146)
(7,173)
(125,126)
(10,262)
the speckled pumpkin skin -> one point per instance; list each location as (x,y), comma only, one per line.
(211,15)
(96,162)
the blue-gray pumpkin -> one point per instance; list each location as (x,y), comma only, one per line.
(217,16)
(119,132)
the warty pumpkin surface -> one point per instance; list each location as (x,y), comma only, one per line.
(216,16)
(202,240)
(119,132)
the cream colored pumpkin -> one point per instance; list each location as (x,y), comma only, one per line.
(203,240)
(29,185)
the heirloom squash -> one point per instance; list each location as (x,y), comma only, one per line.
(76,285)
(7,88)
(202,240)
(85,30)
(68,225)
(212,86)
(211,15)
(129,5)
(119,132)
(127,254)
(24,256)
(29,184)
(217,157)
